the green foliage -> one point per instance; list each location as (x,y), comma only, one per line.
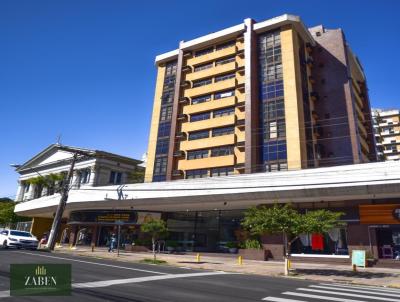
(172,243)
(284,219)
(47,180)
(136,176)
(251,244)
(6,199)
(7,214)
(155,227)
(231,244)
(143,242)
(153,261)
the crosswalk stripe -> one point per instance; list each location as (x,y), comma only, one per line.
(356,290)
(276,299)
(380,289)
(326,298)
(347,294)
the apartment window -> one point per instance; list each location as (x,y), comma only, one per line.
(275,130)
(204,52)
(274,109)
(115,178)
(224,112)
(273,54)
(274,72)
(84,176)
(223,171)
(160,166)
(167,98)
(272,90)
(164,129)
(203,67)
(224,77)
(225,45)
(27,187)
(224,94)
(200,117)
(201,99)
(199,173)
(221,151)
(225,60)
(158,178)
(200,83)
(223,131)
(199,135)
(275,150)
(170,69)
(162,146)
(166,113)
(197,154)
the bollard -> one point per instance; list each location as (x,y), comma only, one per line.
(92,245)
(198,257)
(289,264)
(354,268)
(240,260)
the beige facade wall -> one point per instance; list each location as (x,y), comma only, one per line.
(155,118)
(295,134)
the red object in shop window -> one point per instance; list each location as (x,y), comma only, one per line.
(317,242)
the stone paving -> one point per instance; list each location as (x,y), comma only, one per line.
(318,272)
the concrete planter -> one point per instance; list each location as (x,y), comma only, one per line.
(254,254)
(135,248)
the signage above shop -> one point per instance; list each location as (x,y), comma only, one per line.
(379,214)
(112,217)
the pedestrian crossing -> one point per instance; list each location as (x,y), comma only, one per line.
(337,292)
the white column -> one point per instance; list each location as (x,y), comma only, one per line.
(93,175)
(20,191)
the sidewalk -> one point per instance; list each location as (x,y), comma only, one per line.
(318,272)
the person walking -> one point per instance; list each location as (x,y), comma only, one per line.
(113,241)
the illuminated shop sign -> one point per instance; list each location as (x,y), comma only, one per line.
(104,216)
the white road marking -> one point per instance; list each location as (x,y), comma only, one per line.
(326,298)
(356,290)
(106,283)
(380,289)
(347,294)
(276,299)
(4,294)
(96,263)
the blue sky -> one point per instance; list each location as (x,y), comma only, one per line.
(85,69)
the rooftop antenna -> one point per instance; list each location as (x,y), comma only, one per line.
(59,139)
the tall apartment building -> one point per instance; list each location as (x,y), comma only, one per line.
(259,96)
(387,133)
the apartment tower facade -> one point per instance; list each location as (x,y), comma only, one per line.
(387,133)
(258,97)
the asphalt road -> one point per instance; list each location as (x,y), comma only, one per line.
(106,280)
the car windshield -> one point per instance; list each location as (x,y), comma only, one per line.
(19,233)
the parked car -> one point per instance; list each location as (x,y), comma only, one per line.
(18,239)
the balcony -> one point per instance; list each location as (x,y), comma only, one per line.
(212,56)
(210,105)
(180,135)
(211,88)
(240,53)
(240,123)
(240,144)
(182,117)
(177,173)
(179,154)
(208,142)
(187,68)
(184,101)
(309,47)
(239,166)
(314,96)
(208,162)
(310,62)
(209,123)
(212,71)
(186,84)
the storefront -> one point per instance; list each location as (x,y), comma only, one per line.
(383,222)
(96,227)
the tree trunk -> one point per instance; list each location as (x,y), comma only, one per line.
(286,254)
(153,241)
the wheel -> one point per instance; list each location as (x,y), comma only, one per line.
(5,246)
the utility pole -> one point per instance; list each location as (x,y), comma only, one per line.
(55,228)
(61,206)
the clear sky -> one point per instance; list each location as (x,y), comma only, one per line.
(84,69)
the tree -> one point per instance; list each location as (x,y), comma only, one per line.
(7,214)
(283,219)
(156,228)
(136,176)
